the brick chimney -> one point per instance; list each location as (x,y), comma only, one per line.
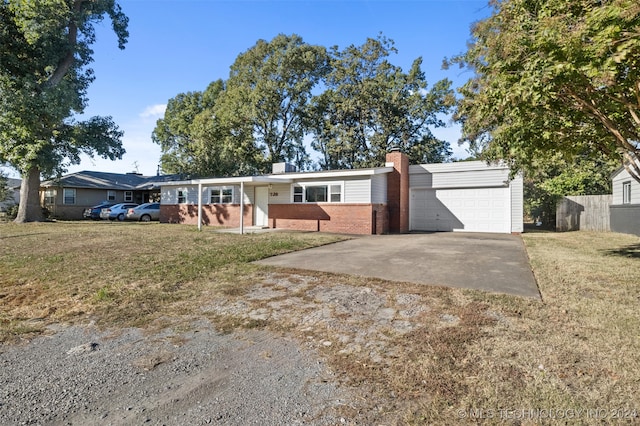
(398,191)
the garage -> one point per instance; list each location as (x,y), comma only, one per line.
(468,197)
(471,210)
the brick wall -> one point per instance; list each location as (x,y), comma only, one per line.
(212,214)
(339,218)
(398,192)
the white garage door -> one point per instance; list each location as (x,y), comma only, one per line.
(470,210)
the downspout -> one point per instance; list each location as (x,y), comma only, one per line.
(241,208)
(199,206)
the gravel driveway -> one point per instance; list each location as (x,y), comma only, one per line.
(82,376)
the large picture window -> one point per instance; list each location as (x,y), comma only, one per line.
(221,195)
(69,196)
(318,193)
(626,192)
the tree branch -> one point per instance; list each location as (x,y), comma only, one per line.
(65,64)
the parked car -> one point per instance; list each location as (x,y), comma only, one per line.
(117,211)
(144,212)
(94,212)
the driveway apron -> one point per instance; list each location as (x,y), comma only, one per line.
(490,262)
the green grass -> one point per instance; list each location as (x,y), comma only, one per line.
(123,274)
(577,349)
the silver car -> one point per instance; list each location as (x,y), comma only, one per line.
(117,211)
(144,212)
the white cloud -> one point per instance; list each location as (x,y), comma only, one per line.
(154,111)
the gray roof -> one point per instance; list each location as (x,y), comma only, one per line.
(102,180)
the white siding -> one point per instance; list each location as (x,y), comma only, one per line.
(357,191)
(284,193)
(517,204)
(618,179)
(379,189)
(489,177)
(169,194)
(354,190)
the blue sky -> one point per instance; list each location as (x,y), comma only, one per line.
(177,46)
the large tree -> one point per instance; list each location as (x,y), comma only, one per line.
(45,50)
(370,106)
(554,76)
(267,94)
(195,141)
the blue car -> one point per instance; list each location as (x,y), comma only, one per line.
(94,212)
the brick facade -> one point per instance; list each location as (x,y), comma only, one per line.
(346,218)
(340,218)
(212,214)
(398,192)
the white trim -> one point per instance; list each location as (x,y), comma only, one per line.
(220,189)
(64,196)
(241,207)
(281,178)
(626,192)
(199,207)
(111,195)
(129,198)
(328,184)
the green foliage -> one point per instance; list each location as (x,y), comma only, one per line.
(5,191)
(371,106)
(45,50)
(271,103)
(554,178)
(554,77)
(192,139)
(269,88)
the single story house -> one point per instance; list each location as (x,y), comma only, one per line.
(68,196)
(464,196)
(13,185)
(624,211)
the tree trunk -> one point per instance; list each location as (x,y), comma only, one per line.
(30,209)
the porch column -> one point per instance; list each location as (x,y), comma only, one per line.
(241,208)
(199,206)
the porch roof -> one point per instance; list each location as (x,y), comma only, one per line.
(282,177)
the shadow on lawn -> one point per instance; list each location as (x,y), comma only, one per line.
(632,250)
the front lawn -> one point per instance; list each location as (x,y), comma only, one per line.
(416,354)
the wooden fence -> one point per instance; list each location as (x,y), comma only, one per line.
(583,213)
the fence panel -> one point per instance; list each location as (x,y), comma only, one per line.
(583,213)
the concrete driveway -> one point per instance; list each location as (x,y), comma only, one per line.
(489,262)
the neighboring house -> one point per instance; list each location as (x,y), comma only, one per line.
(68,196)
(465,196)
(14,186)
(625,208)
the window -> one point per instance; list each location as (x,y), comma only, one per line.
(111,195)
(69,196)
(221,195)
(318,193)
(336,193)
(128,196)
(315,194)
(182,196)
(626,192)
(50,196)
